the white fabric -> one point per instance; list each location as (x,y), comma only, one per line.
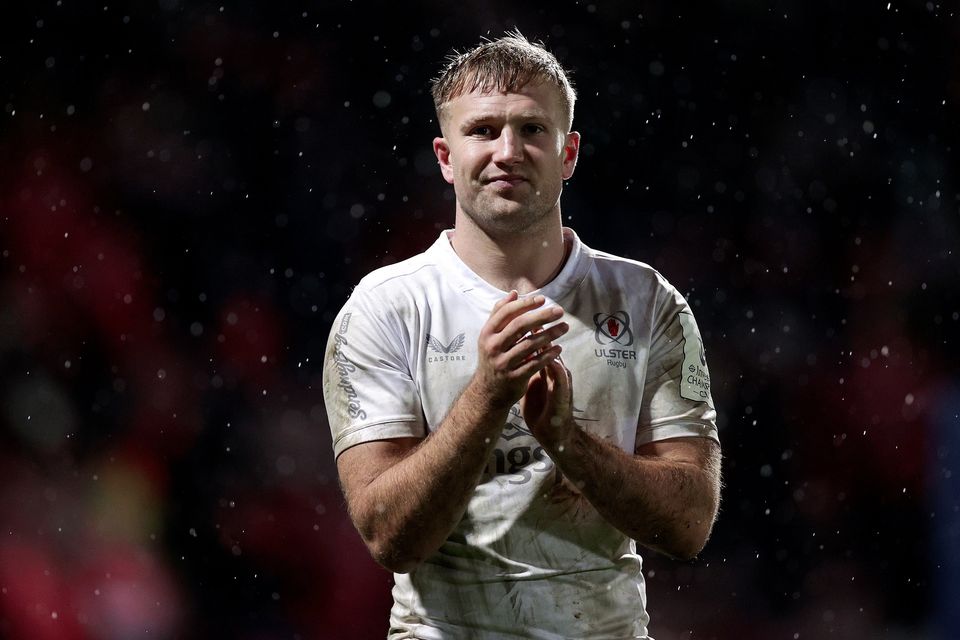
(530,558)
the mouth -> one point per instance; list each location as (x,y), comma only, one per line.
(505,181)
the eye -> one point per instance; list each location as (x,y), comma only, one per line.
(483,131)
(533,128)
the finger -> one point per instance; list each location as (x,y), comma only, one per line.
(550,376)
(529,322)
(562,384)
(538,362)
(564,378)
(535,342)
(510,297)
(559,367)
(500,317)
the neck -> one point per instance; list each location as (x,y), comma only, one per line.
(524,261)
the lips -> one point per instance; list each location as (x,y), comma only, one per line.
(506,180)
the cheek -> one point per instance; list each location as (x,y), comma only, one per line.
(470,171)
(472,159)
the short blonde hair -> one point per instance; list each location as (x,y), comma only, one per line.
(506,64)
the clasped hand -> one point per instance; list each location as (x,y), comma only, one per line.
(517,360)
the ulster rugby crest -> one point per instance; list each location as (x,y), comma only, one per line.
(613,328)
(613,334)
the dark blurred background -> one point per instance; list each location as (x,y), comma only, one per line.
(188,192)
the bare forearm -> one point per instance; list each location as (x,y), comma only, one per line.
(666,504)
(406,513)
(406,497)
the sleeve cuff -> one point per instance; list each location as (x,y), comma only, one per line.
(377,431)
(686,429)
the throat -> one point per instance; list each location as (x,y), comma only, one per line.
(525,265)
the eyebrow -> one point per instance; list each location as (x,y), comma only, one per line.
(472,121)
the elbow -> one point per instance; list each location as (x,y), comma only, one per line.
(687,549)
(394,562)
(684,547)
(689,539)
(389,555)
(692,536)
(396,548)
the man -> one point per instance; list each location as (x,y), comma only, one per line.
(504,485)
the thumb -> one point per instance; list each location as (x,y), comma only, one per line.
(533,401)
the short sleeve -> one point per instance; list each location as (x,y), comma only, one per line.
(676,393)
(368,390)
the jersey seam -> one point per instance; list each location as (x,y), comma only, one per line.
(371,287)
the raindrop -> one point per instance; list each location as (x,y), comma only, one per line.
(382,99)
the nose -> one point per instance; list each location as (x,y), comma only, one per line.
(509,147)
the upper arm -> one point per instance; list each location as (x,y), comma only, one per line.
(369,390)
(676,400)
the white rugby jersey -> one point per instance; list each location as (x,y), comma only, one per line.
(530,558)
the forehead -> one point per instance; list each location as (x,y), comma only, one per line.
(540,99)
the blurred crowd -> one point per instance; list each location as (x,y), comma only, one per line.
(189,191)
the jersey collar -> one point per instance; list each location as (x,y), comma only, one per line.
(464,280)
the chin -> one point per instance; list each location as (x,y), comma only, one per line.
(512,221)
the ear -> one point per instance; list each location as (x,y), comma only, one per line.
(571,150)
(442,150)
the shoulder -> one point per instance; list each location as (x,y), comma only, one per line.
(422,266)
(401,283)
(393,298)
(639,276)
(611,261)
